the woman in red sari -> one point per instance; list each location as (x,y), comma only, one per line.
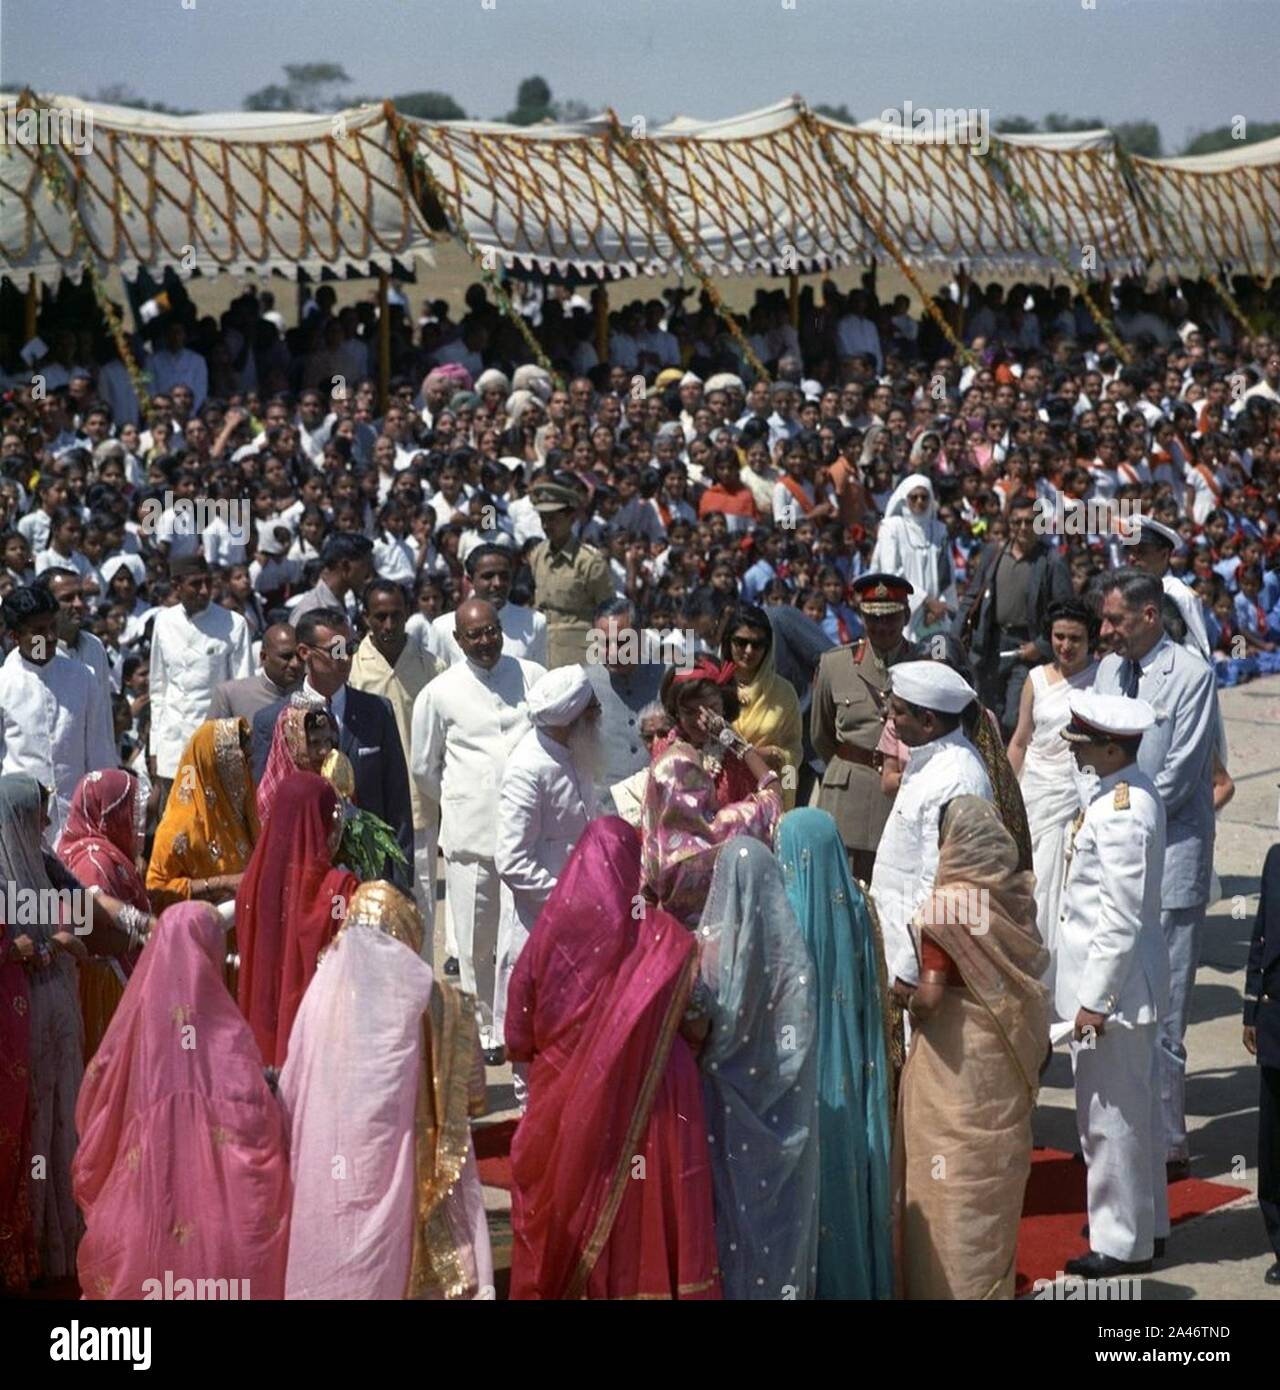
(289,904)
(99,846)
(595,1003)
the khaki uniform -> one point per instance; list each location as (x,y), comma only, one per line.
(569,585)
(845,714)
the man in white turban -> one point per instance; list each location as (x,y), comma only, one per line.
(545,802)
(926,700)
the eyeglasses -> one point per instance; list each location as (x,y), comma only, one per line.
(756,643)
(481,634)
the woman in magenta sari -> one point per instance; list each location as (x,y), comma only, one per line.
(290,902)
(706,786)
(595,1004)
(183,1170)
(99,846)
(18,1261)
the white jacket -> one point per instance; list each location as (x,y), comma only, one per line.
(465,725)
(1111,954)
(189,657)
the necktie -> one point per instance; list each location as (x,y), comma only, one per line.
(1132,675)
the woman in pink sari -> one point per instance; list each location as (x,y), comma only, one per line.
(99,846)
(18,1262)
(182,1171)
(596,1002)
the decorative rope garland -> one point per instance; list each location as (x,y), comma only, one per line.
(55,179)
(419,167)
(881,234)
(1045,237)
(1139,192)
(623,143)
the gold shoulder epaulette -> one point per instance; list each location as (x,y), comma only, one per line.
(1122,796)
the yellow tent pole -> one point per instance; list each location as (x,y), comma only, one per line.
(384,342)
(600,302)
(793,299)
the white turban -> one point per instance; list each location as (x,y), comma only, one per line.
(931,685)
(531,377)
(493,380)
(559,697)
(517,403)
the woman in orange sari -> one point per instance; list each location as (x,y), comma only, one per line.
(210,823)
(596,1004)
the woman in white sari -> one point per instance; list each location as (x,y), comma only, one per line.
(1042,758)
(760,1070)
(913,543)
(378,1090)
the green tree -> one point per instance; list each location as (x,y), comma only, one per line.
(429,106)
(533,103)
(1223,137)
(121,94)
(1137,137)
(307,87)
(1015,125)
(836,113)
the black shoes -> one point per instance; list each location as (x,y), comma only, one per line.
(451,967)
(1272,1276)
(1177,1169)
(495,1056)
(1159,1243)
(1095,1266)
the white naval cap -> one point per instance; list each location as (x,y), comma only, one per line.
(1149,529)
(931,685)
(559,697)
(1096,717)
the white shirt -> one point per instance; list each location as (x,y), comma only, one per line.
(542,809)
(907,860)
(53,727)
(189,657)
(524,634)
(83,566)
(92,653)
(337,702)
(393,559)
(465,724)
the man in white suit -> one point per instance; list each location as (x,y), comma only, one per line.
(1177,754)
(465,724)
(1112,983)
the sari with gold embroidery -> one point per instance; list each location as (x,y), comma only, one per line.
(210,823)
(769,719)
(381,1073)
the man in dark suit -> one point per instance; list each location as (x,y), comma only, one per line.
(1001,617)
(1262,1038)
(367,731)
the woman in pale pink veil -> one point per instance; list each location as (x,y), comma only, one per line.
(182,1170)
(378,1090)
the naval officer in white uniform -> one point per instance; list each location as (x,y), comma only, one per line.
(1112,983)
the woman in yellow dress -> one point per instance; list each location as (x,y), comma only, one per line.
(769,709)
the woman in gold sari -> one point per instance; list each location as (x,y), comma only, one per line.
(768,707)
(210,823)
(382,1071)
(980,1027)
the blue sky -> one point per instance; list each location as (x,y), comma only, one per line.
(1187,64)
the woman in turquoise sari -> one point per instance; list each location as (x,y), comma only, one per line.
(854,1198)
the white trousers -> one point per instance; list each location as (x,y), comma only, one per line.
(1118,1115)
(424,884)
(511,938)
(477,903)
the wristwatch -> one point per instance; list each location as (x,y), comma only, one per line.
(730,738)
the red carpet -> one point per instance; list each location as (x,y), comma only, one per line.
(493,1153)
(1053,1212)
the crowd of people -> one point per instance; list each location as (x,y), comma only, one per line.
(799,757)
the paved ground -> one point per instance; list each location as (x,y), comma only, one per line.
(1224,1253)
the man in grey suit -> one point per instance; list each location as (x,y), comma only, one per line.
(1177,754)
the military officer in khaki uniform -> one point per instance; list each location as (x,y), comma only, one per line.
(845,720)
(571,580)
